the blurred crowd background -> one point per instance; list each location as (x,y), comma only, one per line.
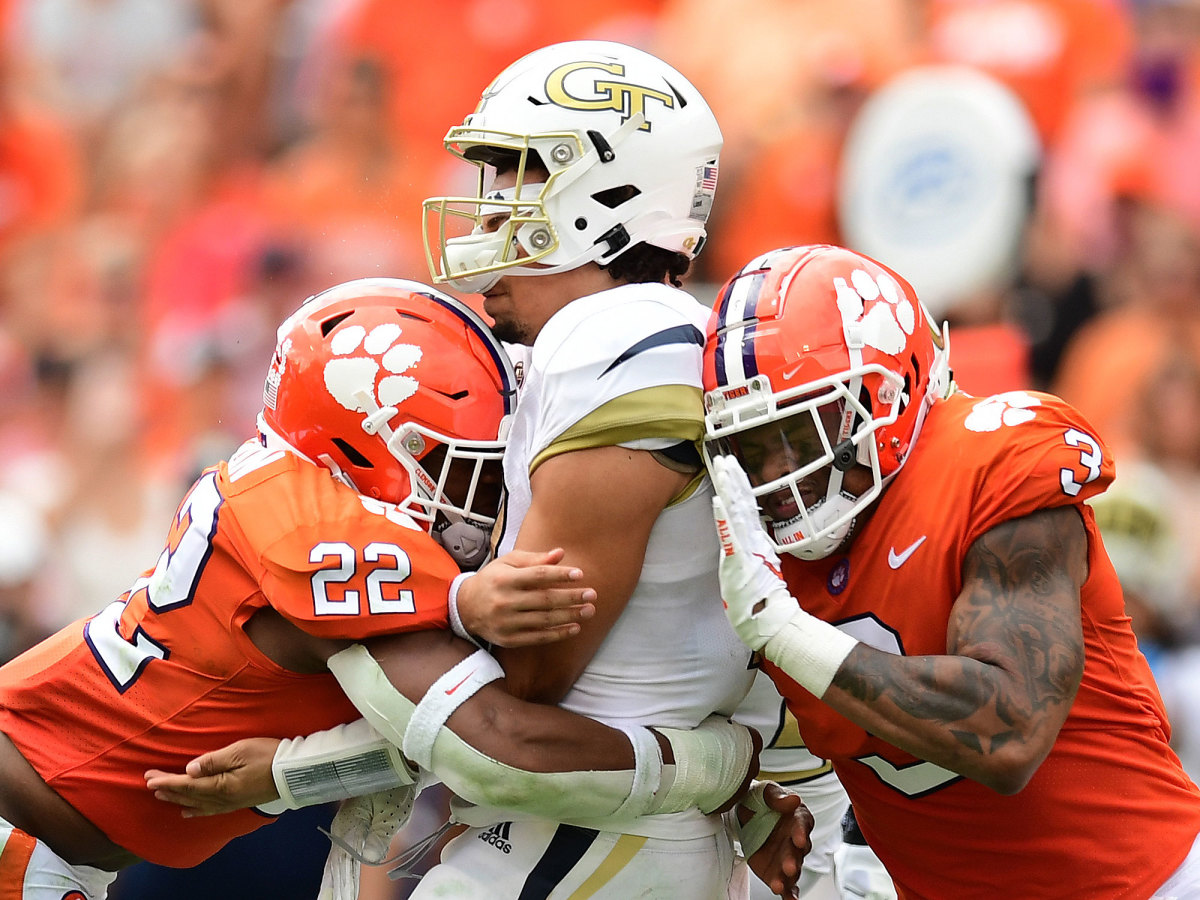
(177,175)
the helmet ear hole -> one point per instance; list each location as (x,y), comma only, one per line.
(614,197)
(333,322)
(352,454)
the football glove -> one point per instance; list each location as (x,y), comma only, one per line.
(757,600)
(361,832)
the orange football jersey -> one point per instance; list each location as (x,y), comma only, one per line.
(1110,812)
(166,672)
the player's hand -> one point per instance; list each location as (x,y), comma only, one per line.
(361,832)
(757,601)
(778,859)
(525,598)
(235,777)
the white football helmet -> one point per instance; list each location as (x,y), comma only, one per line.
(631,153)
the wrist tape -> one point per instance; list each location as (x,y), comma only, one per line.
(340,762)
(809,651)
(711,762)
(753,834)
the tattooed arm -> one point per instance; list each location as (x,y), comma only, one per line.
(992,707)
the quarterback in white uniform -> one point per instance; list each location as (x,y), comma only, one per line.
(597,168)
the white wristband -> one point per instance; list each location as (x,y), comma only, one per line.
(456,622)
(452,689)
(809,651)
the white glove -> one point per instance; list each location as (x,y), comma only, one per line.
(858,873)
(362,831)
(757,601)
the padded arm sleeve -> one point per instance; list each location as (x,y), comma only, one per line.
(561,796)
(344,761)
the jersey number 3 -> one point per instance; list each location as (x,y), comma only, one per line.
(1090,457)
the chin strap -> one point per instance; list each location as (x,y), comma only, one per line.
(467,543)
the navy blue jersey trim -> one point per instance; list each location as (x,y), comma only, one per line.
(678,334)
(566,849)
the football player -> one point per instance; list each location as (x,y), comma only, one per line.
(286,568)
(597,168)
(923,576)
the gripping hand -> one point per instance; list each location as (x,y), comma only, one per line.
(361,831)
(757,600)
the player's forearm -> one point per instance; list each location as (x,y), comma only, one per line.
(716,757)
(962,714)
(528,735)
(992,706)
(538,737)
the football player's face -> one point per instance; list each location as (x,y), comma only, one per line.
(779,448)
(521,304)
(493,217)
(463,487)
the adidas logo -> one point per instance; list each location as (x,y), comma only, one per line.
(497,836)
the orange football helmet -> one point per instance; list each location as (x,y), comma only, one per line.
(827,359)
(403,393)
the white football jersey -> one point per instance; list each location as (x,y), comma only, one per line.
(623,367)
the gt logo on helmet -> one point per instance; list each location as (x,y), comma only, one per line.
(619,96)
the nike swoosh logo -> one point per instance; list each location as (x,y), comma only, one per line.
(451,690)
(896,560)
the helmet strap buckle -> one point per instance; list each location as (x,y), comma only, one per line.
(617,239)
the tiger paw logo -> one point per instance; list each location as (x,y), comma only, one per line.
(359,356)
(1012,408)
(885,325)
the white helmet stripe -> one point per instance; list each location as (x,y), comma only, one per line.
(743,291)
